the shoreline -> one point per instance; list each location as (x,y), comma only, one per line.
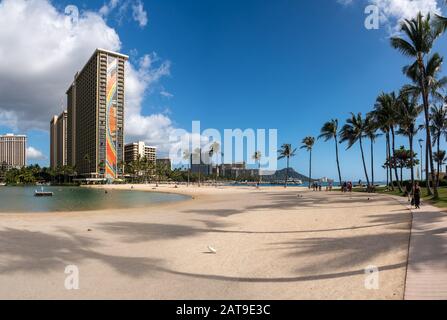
(272,243)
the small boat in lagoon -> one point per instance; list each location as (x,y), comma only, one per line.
(42,193)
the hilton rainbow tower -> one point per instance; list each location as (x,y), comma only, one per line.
(95,107)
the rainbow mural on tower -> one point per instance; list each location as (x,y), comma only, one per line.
(111,137)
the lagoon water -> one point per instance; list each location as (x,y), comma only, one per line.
(21,199)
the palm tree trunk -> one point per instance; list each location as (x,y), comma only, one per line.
(439,162)
(364,163)
(399,186)
(422,80)
(401,175)
(410,137)
(372,163)
(287,173)
(189,169)
(390,168)
(338,162)
(310,166)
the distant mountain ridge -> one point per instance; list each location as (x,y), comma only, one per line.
(281,175)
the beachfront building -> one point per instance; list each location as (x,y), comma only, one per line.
(236,170)
(58,140)
(135,150)
(200,164)
(12,151)
(95,107)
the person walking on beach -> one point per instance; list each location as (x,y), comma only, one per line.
(408,189)
(417,195)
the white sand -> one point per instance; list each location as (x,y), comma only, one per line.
(271,244)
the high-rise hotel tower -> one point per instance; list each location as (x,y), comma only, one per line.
(95,105)
(58,140)
(12,150)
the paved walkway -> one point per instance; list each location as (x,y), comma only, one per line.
(427,262)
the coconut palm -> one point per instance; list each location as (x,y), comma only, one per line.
(440,159)
(371,128)
(421,33)
(308,144)
(330,131)
(286,152)
(257,156)
(197,156)
(187,156)
(438,128)
(409,111)
(352,132)
(214,150)
(386,116)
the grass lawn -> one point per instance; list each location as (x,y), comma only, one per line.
(440,203)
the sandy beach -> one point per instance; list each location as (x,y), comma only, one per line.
(272,243)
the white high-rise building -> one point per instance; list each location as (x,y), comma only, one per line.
(13,150)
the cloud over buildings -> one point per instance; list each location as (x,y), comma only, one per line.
(42,48)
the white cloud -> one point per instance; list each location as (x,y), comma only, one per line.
(34,154)
(139,14)
(393,11)
(108,7)
(40,52)
(166,94)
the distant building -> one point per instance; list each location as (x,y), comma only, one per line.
(236,170)
(13,150)
(138,149)
(95,107)
(58,140)
(199,163)
(165,162)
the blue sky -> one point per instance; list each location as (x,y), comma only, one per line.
(284,64)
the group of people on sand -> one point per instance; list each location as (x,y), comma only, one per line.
(316,186)
(346,186)
(413,194)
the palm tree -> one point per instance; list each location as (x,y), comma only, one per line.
(330,131)
(440,159)
(197,153)
(308,144)
(371,128)
(438,127)
(187,156)
(257,156)
(214,150)
(385,114)
(421,33)
(409,111)
(286,152)
(353,131)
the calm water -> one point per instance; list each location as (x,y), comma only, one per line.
(21,199)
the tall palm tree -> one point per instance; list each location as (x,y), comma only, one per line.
(409,111)
(385,113)
(438,128)
(371,128)
(214,150)
(187,156)
(440,159)
(330,131)
(421,33)
(353,132)
(197,153)
(308,144)
(257,156)
(286,152)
